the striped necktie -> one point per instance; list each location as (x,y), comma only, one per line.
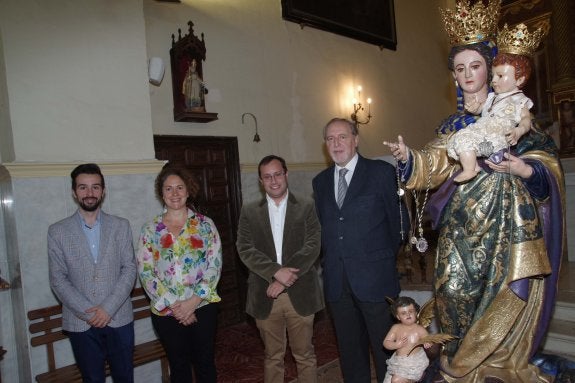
(341,187)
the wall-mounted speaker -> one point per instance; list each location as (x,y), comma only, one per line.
(156,70)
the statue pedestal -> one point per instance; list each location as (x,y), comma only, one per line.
(189,115)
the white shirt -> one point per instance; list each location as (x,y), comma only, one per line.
(277,215)
(350,169)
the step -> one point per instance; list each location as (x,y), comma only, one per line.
(560,338)
(564,310)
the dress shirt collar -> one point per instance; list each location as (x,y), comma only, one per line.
(83,221)
(282,202)
(350,166)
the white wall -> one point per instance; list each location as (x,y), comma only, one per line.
(294,80)
(5,128)
(77,89)
(76,81)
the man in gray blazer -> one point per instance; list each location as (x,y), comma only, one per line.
(92,272)
(279,242)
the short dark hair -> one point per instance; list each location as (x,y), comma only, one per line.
(86,169)
(267,159)
(403,302)
(171,169)
(352,126)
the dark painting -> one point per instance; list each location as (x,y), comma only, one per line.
(371,21)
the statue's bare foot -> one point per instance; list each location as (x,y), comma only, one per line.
(465,176)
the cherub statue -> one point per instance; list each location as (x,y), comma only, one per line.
(408,364)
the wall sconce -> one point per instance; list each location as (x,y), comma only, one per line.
(256,136)
(358,107)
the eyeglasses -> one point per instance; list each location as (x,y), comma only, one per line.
(269,177)
(330,140)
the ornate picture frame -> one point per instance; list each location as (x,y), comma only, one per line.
(371,21)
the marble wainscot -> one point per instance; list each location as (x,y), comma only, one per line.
(33,197)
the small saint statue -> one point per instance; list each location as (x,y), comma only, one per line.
(193,89)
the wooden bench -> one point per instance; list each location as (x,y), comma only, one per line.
(46,329)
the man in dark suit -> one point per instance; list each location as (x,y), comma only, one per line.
(279,242)
(92,272)
(358,209)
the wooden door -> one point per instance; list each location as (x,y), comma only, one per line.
(214,161)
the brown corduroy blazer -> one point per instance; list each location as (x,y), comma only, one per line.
(300,249)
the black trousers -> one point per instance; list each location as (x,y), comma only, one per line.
(190,347)
(360,326)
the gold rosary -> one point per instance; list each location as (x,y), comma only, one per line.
(420,243)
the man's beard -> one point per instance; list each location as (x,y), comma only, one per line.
(90,207)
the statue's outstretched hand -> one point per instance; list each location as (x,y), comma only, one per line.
(398,149)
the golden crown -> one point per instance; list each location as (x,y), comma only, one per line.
(518,40)
(471,24)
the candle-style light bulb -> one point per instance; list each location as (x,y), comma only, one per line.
(359,113)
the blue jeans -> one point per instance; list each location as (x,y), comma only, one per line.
(92,348)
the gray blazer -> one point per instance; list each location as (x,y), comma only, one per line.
(80,283)
(301,248)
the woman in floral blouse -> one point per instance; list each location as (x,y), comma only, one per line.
(179,263)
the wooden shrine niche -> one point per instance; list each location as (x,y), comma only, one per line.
(189,88)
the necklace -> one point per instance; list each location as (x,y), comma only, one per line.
(400,193)
(497,100)
(421,243)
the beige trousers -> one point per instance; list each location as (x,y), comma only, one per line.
(284,320)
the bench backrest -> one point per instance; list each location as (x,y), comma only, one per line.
(46,323)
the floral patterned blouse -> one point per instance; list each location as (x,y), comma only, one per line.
(173,268)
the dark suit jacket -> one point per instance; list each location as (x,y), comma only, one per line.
(363,238)
(301,248)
